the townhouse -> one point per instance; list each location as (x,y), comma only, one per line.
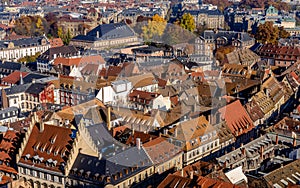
(197,138)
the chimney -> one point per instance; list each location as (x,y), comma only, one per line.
(192,174)
(41,126)
(21,79)
(276,140)
(261,152)
(175,132)
(33,81)
(98,34)
(294,142)
(243,151)
(138,143)
(108,118)
(99,155)
(181,172)
(225,164)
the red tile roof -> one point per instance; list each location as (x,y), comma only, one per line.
(14,77)
(56,42)
(50,146)
(7,150)
(142,96)
(236,117)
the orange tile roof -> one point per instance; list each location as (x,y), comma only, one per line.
(236,117)
(48,146)
(14,77)
(7,148)
(160,150)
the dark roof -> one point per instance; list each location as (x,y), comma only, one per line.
(111,31)
(104,142)
(243,36)
(23,41)
(33,76)
(60,51)
(204,11)
(13,66)
(32,88)
(127,163)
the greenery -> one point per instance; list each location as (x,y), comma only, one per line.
(31,26)
(187,22)
(29,59)
(154,29)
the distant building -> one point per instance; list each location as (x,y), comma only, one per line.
(106,36)
(212,19)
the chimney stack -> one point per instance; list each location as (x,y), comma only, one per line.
(108,118)
(262,152)
(98,34)
(138,143)
(192,174)
(42,126)
(276,140)
(294,142)
(175,132)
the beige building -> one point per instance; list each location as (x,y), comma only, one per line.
(212,19)
(197,138)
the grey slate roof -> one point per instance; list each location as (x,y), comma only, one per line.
(32,88)
(33,76)
(209,34)
(13,67)
(111,31)
(104,142)
(93,166)
(204,11)
(22,42)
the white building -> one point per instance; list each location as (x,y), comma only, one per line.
(12,50)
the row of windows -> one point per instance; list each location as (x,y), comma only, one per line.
(41,175)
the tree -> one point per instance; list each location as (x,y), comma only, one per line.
(31,26)
(154,29)
(222,52)
(187,22)
(29,59)
(52,20)
(174,34)
(267,33)
(283,33)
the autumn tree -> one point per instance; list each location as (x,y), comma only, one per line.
(175,34)
(31,26)
(52,20)
(267,33)
(283,33)
(154,29)
(222,52)
(187,22)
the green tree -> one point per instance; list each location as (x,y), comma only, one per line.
(154,29)
(267,33)
(187,22)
